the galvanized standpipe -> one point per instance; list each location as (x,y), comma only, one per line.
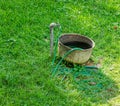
(52,25)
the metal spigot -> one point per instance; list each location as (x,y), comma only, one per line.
(52,25)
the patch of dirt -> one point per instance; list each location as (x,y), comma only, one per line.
(91,62)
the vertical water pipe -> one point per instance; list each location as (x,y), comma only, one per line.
(52,25)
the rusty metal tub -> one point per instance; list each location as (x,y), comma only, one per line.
(77,56)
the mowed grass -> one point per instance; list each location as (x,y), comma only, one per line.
(25,63)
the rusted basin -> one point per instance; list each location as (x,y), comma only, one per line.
(70,41)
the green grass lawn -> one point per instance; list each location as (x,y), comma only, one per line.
(25,62)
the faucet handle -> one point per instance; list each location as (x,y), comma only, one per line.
(52,25)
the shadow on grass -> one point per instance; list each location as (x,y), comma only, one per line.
(96,86)
(92,85)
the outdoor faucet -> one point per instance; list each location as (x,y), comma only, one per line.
(52,25)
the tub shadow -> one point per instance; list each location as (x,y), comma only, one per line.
(92,84)
(95,85)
